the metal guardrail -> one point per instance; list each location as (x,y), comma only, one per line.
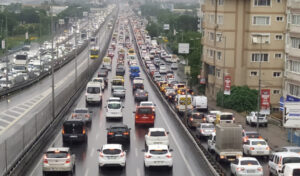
(18,151)
(209,160)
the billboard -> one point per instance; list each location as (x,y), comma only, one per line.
(265,96)
(227,85)
(183,48)
(166,26)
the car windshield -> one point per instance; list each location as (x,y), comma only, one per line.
(73,127)
(81,111)
(117,82)
(111,151)
(249,162)
(59,154)
(157,133)
(259,143)
(145,111)
(114,106)
(208,126)
(118,88)
(118,128)
(97,80)
(158,152)
(93,90)
(290,160)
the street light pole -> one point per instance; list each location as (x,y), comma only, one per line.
(76,59)
(52,62)
(224,57)
(259,86)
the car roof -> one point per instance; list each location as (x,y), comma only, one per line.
(118,125)
(114,98)
(63,149)
(93,84)
(287,154)
(292,165)
(158,147)
(156,129)
(256,139)
(113,146)
(253,132)
(81,109)
(291,147)
(114,102)
(206,124)
(247,158)
(148,102)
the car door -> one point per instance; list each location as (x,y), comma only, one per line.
(272,163)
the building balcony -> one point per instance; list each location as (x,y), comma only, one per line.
(293,28)
(293,4)
(292,51)
(292,75)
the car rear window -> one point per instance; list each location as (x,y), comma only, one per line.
(290,160)
(252,135)
(158,152)
(81,111)
(111,151)
(73,127)
(249,162)
(226,117)
(157,133)
(198,116)
(146,104)
(114,106)
(145,111)
(296,172)
(118,128)
(259,143)
(97,80)
(93,90)
(57,154)
(295,150)
(208,126)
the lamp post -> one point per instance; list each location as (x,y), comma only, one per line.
(52,61)
(259,85)
(224,60)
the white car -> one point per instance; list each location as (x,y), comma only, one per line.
(148,103)
(111,155)
(114,110)
(110,99)
(251,119)
(246,166)
(162,69)
(205,130)
(211,116)
(99,80)
(158,155)
(58,160)
(93,93)
(157,136)
(174,66)
(256,147)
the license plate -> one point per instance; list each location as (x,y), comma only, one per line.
(250,171)
(156,142)
(158,162)
(118,134)
(260,152)
(73,136)
(145,117)
(111,157)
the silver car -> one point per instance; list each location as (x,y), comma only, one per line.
(205,130)
(84,114)
(119,91)
(58,160)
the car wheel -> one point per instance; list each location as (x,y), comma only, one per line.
(247,122)
(266,125)
(251,124)
(86,104)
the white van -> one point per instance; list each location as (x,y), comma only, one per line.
(292,169)
(93,93)
(200,102)
(279,159)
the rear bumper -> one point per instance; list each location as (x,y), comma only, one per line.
(74,137)
(144,122)
(57,169)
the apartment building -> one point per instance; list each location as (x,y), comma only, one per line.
(291,90)
(238,34)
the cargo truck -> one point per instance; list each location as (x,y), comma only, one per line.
(228,142)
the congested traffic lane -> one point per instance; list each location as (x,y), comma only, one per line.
(63,77)
(187,160)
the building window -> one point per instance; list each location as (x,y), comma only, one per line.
(212,53)
(261,20)
(276,91)
(220,19)
(211,36)
(279,37)
(211,70)
(276,74)
(278,1)
(262,2)
(212,18)
(218,73)
(293,66)
(295,42)
(219,55)
(218,37)
(260,38)
(253,73)
(278,55)
(279,18)
(220,2)
(294,90)
(263,57)
(212,2)
(296,19)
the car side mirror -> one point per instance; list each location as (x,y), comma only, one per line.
(133,112)
(170,150)
(91,111)
(98,150)
(168,132)
(122,106)
(143,150)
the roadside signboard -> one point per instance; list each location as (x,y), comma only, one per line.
(291,115)
(183,48)
(265,95)
(166,26)
(187,70)
(227,85)
(61,21)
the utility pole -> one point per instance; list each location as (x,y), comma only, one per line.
(52,62)
(259,85)
(224,55)
(89,43)
(186,92)
(76,57)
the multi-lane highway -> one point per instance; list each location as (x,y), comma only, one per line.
(187,160)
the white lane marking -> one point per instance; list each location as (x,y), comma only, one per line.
(136,152)
(86,173)
(176,143)
(92,152)
(138,172)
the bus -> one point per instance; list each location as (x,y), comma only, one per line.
(94,52)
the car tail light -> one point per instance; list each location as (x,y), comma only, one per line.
(101,155)
(45,159)
(136,117)
(126,133)
(260,169)
(83,131)
(240,169)
(148,156)
(110,133)
(204,119)
(87,115)
(63,131)
(68,159)
(152,117)
(74,115)
(251,148)
(201,131)
(122,154)
(268,148)
(169,155)
(191,119)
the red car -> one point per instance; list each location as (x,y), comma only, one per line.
(144,115)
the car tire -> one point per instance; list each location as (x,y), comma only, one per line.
(266,125)
(247,122)
(251,124)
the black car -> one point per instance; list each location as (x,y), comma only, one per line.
(74,130)
(141,95)
(120,70)
(118,133)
